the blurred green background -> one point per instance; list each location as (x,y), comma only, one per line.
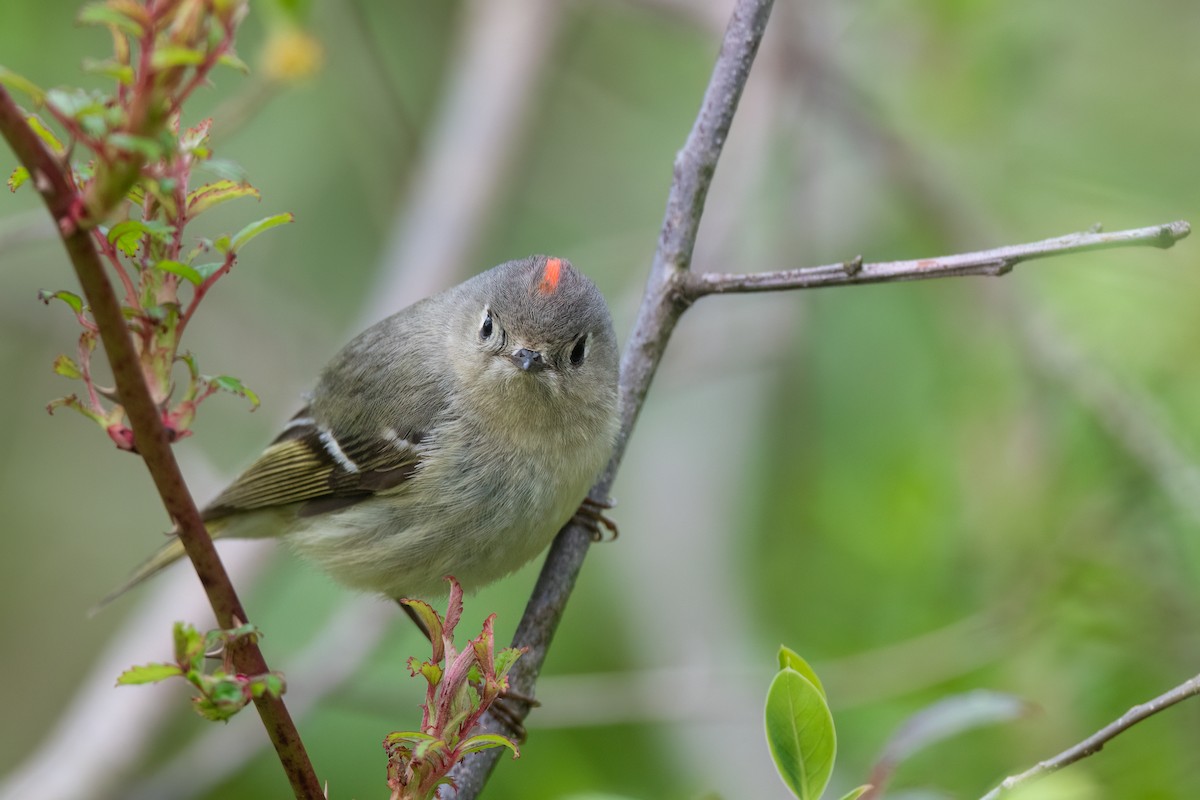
(924,488)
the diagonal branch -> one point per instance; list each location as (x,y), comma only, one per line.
(63,201)
(660,310)
(1095,743)
(998,261)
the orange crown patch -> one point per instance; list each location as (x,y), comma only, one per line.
(550,276)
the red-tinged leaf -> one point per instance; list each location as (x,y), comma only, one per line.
(148,673)
(19,83)
(243,237)
(212,194)
(195,137)
(432,622)
(18,177)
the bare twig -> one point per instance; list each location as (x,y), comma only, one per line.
(62,198)
(998,261)
(1095,743)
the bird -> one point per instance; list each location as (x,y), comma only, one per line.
(453,438)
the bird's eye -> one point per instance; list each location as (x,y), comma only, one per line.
(579,351)
(485,330)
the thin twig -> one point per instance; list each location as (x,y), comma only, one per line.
(1095,743)
(63,200)
(998,261)
(660,310)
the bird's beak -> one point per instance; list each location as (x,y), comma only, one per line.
(528,360)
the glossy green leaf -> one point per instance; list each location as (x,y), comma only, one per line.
(17,178)
(790,659)
(182,270)
(148,673)
(242,237)
(19,83)
(800,734)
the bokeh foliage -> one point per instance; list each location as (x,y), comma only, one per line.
(911,466)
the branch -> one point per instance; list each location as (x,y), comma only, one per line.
(63,201)
(1095,743)
(660,310)
(998,261)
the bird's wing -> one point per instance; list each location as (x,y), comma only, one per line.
(315,466)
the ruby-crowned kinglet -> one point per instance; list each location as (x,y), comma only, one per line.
(452,438)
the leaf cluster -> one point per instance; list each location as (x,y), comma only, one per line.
(131,164)
(460,687)
(222,691)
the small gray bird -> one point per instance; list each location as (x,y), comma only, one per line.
(452,438)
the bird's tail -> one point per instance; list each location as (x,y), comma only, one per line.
(162,558)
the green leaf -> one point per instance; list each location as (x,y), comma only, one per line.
(66,366)
(103,14)
(19,83)
(231,60)
(486,741)
(71,299)
(800,734)
(182,270)
(75,103)
(150,149)
(854,794)
(790,659)
(109,68)
(172,55)
(233,385)
(45,134)
(212,194)
(189,645)
(148,673)
(207,269)
(18,177)
(242,237)
(127,233)
(224,168)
